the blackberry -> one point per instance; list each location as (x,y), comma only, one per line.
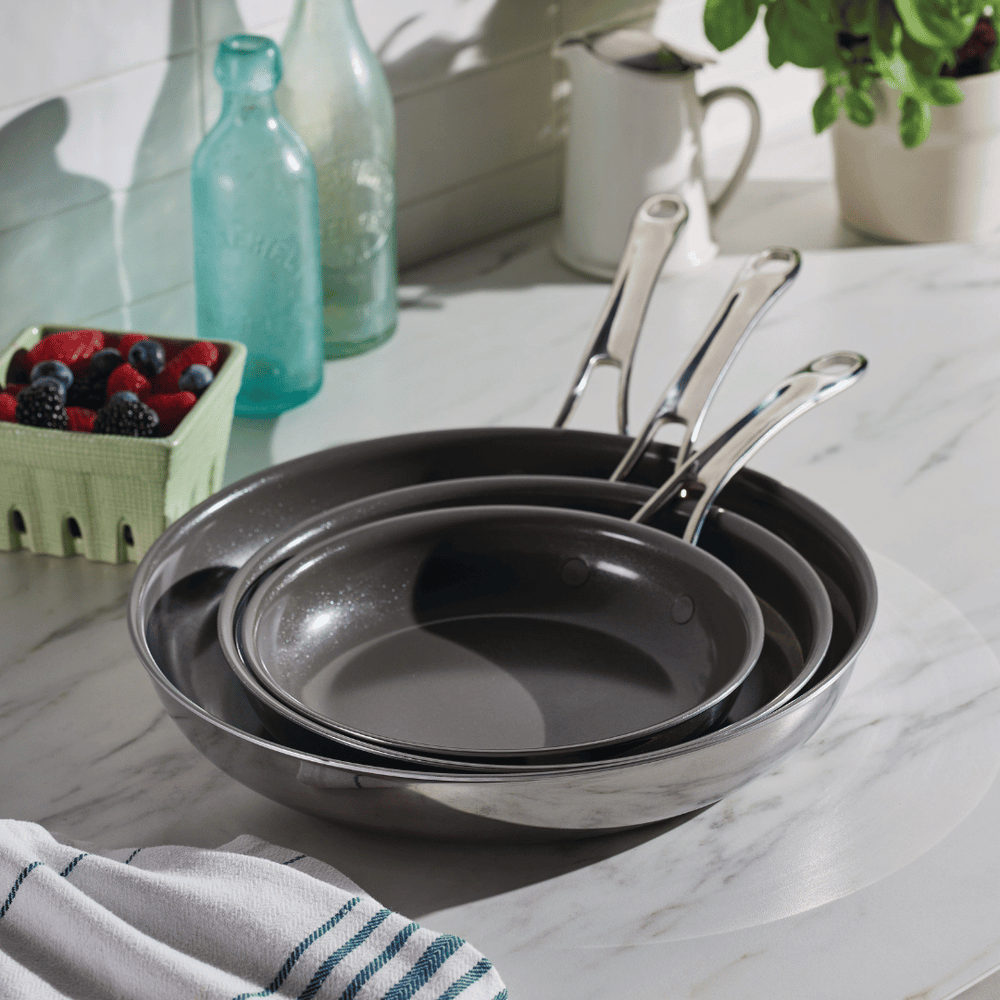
(88,392)
(128,417)
(42,404)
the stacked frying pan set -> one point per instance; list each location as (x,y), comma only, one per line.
(531,633)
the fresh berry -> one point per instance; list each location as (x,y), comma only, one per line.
(74,348)
(42,404)
(126,340)
(104,362)
(52,369)
(52,380)
(196,379)
(147,357)
(13,388)
(20,367)
(199,353)
(126,417)
(124,397)
(172,408)
(8,408)
(88,392)
(126,378)
(80,418)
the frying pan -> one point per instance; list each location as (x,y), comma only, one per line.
(385,632)
(172,623)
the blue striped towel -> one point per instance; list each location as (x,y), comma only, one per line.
(245,920)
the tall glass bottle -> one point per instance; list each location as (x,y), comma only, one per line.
(256,234)
(336,96)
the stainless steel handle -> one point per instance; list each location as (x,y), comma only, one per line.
(710,469)
(654,231)
(758,285)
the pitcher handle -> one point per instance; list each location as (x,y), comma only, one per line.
(720,94)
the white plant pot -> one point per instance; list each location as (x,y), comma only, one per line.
(948,188)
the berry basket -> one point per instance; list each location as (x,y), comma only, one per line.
(107,497)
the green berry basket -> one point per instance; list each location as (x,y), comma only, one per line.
(108,498)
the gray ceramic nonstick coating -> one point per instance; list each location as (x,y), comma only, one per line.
(172,623)
(502,632)
(778,576)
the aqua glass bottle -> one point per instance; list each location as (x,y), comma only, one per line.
(256,234)
(335,95)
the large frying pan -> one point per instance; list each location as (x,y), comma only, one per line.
(177,587)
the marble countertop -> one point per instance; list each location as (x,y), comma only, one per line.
(896,872)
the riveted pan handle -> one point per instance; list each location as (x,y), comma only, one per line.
(710,469)
(755,289)
(654,231)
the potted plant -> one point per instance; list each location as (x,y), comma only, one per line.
(917,149)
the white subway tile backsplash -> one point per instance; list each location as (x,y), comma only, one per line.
(579,15)
(475,125)
(156,237)
(473,211)
(48,47)
(445,39)
(96,138)
(60,269)
(103,103)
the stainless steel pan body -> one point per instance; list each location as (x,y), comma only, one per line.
(195,558)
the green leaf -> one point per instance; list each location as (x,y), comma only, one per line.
(776,33)
(727,21)
(914,121)
(939,24)
(943,91)
(995,55)
(826,109)
(799,36)
(860,107)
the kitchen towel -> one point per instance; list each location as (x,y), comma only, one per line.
(247,919)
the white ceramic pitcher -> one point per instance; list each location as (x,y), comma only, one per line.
(635,130)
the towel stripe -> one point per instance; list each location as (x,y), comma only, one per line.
(502,995)
(17,885)
(376,963)
(131,856)
(429,962)
(296,954)
(467,979)
(291,861)
(345,949)
(72,864)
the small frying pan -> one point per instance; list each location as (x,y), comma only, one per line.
(480,591)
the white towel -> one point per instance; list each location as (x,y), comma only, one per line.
(247,919)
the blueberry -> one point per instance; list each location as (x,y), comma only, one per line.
(52,369)
(147,357)
(195,378)
(103,363)
(50,380)
(122,397)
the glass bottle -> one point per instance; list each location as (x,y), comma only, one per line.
(256,234)
(336,96)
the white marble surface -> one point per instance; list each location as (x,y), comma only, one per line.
(882,873)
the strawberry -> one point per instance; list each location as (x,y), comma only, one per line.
(73,348)
(19,370)
(200,353)
(171,407)
(126,378)
(126,341)
(14,388)
(80,418)
(8,408)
